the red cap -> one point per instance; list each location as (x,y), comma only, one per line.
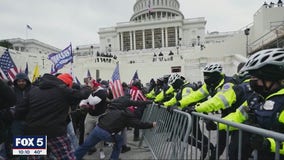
(66,78)
(95,83)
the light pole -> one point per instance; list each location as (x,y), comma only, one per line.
(178,45)
(109,48)
(247,34)
(92,50)
(177,50)
(77,49)
(198,40)
(42,58)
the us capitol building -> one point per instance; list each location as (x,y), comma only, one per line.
(159,40)
(161,26)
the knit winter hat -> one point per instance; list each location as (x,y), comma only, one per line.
(66,78)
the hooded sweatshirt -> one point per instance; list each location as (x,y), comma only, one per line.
(46,107)
(20,93)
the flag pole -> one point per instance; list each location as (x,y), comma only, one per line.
(71,65)
(26,33)
(25,42)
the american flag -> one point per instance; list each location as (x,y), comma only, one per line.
(8,68)
(136,94)
(135,76)
(115,84)
(29,27)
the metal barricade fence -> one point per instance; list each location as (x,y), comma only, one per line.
(179,135)
(169,139)
(241,129)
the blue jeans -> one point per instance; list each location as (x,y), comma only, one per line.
(96,135)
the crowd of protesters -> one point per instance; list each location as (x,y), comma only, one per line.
(69,115)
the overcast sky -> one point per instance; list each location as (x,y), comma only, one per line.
(59,22)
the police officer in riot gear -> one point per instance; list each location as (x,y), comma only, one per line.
(266,111)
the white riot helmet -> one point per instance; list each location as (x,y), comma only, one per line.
(266,64)
(173,78)
(213,67)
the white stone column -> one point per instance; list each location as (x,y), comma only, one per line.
(166,33)
(130,39)
(134,40)
(180,35)
(176,35)
(163,37)
(153,39)
(143,38)
(117,41)
(156,15)
(121,41)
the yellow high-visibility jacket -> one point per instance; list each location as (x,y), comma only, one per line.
(161,96)
(228,98)
(184,91)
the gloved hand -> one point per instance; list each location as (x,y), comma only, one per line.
(171,109)
(159,104)
(186,109)
(259,143)
(149,102)
(191,109)
(210,125)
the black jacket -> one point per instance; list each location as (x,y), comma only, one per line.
(7,95)
(100,107)
(46,107)
(7,100)
(117,117)
(20,93)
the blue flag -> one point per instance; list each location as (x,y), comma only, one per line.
(52,71)
(61,58)
(135,77)
(27,69)
(89,73)
(77,80)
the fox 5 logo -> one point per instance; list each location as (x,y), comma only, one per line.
(29,142)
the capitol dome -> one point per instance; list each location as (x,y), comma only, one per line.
(156,9)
